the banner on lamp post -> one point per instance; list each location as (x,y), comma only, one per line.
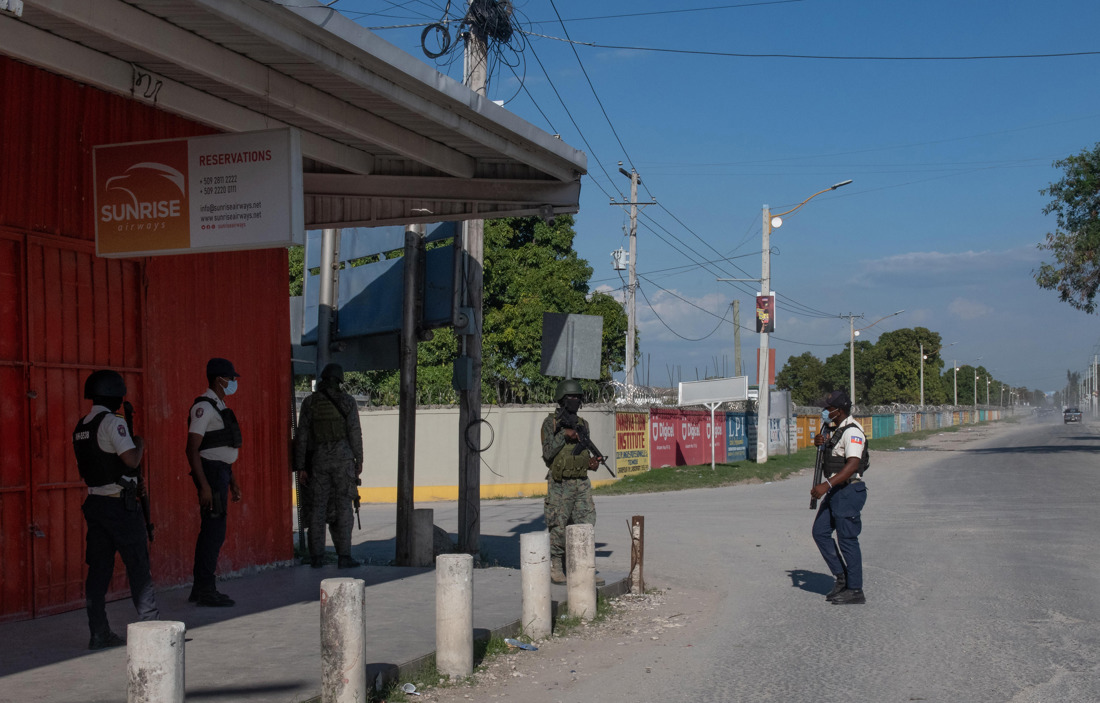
(765,313)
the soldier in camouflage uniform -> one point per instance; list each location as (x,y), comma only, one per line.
(328,454)
(569,492)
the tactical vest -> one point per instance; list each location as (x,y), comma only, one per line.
(327,420)
(566,464)
(228,436)
(834,464)
(96,467)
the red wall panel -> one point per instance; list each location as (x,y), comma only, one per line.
(157,320)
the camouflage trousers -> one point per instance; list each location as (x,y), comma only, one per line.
(332,489)
(568,502)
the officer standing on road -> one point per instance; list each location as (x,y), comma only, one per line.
(213,442)
(328,455)
(843,495)
(108,460)
(569,492)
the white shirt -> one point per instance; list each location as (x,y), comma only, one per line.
(852,443)
(203,420)
(113,438)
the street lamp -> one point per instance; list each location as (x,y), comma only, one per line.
(988,380)
(922,358)
(853,332)
(771,222)
(955,364)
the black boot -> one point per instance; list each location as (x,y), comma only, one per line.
(849,596)
(840,585)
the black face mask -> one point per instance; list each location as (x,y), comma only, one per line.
(571,404)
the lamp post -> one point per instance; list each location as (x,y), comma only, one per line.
(922,358)
(988,381)
(852,350)
(763,387)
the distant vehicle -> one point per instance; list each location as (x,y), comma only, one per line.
(1071,415)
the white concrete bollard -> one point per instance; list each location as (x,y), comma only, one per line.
(343,641)
(423,537)
(155,663)
(534,557)
(580,575)
(454,614)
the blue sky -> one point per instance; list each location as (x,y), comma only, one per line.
(947,158)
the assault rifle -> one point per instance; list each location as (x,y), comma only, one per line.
(358,501)
(584,441)
(142,489)
(819,472)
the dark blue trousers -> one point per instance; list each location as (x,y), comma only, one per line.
(114,529)
(213,525)
(840,512)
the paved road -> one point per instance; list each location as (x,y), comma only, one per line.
(981,578)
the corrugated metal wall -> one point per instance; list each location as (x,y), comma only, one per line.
(157,320)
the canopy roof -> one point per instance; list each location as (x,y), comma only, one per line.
(386,139)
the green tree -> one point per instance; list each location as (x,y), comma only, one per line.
(896,367)
(1075,244)
(804,377)
(838,371)
(297,259)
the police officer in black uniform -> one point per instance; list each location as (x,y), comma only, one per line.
(108,459)
(843,495)
(213,441)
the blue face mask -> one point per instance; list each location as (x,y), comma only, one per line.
(231,387)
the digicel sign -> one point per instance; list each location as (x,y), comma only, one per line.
(222,192)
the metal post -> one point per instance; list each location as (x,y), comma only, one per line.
(327,294)
(762,366)
(922,376)
(406,422)
(955,364)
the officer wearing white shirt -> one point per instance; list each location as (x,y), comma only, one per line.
(843,494)
(213,441)
(108,459)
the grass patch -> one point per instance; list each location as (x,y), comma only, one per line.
(679,478)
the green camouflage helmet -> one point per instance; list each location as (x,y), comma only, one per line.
(568,386)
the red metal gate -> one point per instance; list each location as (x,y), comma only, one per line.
(57,295)
(15,536)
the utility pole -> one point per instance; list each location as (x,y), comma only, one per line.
(737,338)
(632,285)
(469,410)
(852,357)
(763,387)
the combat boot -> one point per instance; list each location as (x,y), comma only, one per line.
(849,596)
(557,573)
(840,585)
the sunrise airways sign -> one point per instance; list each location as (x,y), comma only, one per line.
(216,193)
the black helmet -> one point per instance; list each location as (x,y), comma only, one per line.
(334,372)
(568,386)
(104,384)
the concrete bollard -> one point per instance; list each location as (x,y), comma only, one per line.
(454,614)
(343,641)
(534,556)
(423,537)
(580,575)
(155,664)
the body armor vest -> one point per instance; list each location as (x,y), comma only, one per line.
(327,422)
(566,464)
(96,467)
(834,464)
(228,436)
